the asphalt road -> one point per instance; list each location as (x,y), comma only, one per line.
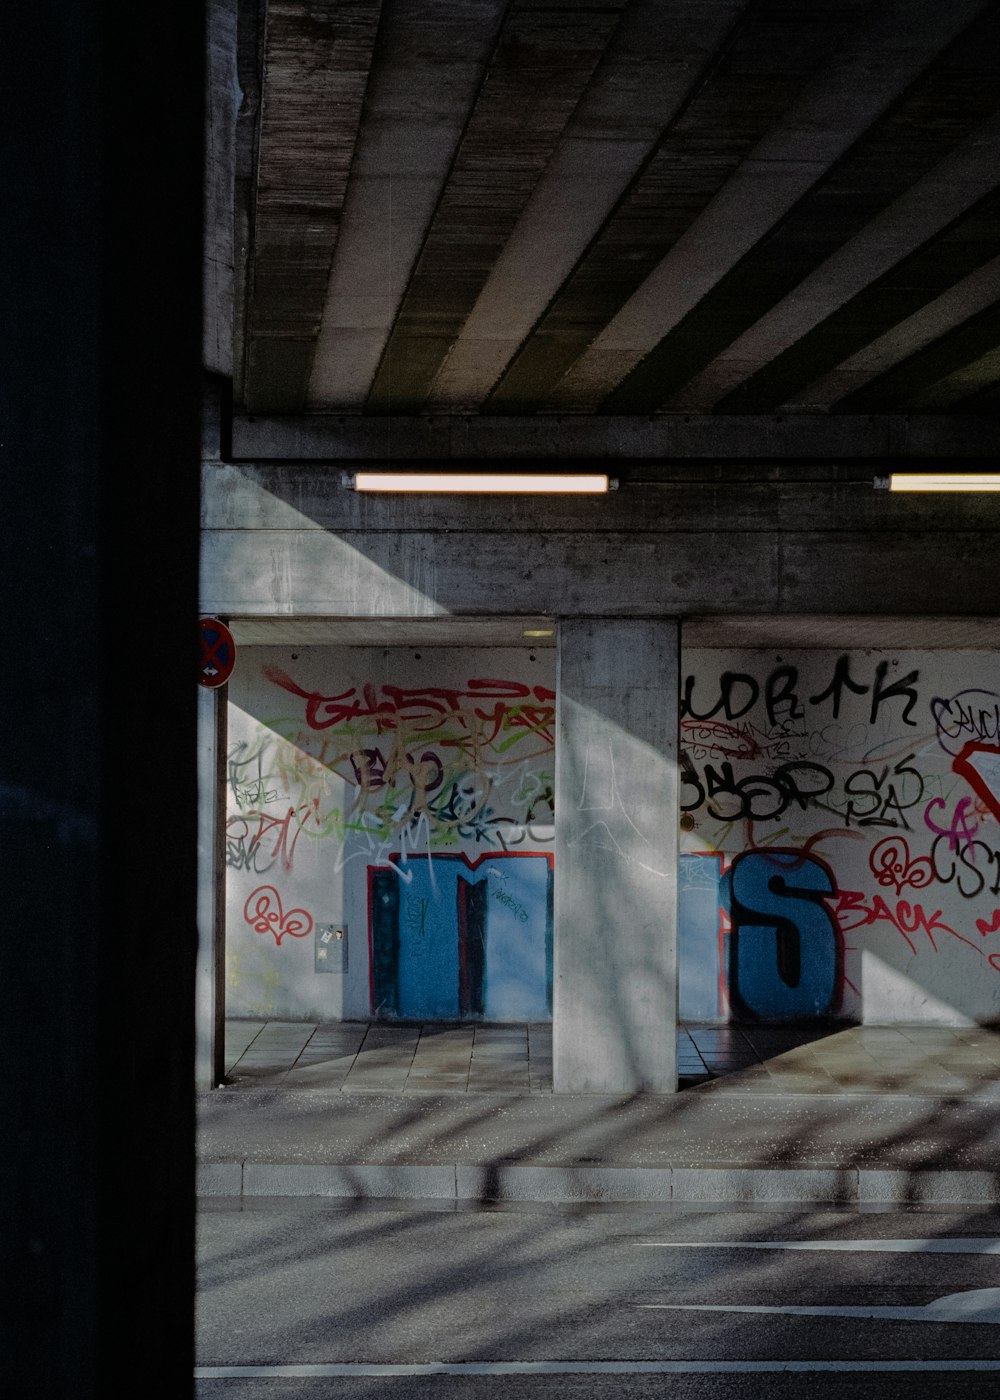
(543,1302)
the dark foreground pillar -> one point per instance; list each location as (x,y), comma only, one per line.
(99,382)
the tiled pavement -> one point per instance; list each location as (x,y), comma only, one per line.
(816,1059)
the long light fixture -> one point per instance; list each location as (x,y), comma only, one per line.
(944,481)
(509,483)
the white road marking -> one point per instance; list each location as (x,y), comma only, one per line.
(973,1305)
(957,1245)
(578,1368)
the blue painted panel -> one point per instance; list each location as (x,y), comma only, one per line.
(427,976)
(462,940)
(519,938)
(698,940)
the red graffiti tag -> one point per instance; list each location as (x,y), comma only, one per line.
(263,912)
(424,707)
(906,918)
(979,765)
(891,865)
(991,927)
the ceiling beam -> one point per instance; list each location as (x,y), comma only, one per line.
(914,281)
(429,64)
(316,58)
(931,156)
(967,297)
(917,218)
(545,440)
(756,71)
(857,85)
(543,61)
(655,64)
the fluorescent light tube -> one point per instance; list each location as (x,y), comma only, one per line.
(944,481)
(467,482)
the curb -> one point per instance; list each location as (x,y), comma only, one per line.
(502,1181)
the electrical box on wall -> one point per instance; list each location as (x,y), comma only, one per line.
(331,947)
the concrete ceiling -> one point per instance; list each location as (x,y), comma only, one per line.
(632,207)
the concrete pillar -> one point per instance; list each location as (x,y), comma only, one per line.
(210,975)
(615,970)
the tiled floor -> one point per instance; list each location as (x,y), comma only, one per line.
(355,1056)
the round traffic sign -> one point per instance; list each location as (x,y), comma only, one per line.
(217,652)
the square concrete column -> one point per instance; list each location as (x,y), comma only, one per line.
(616,817)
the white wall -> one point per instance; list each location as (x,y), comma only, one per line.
(402,797)
(832,795)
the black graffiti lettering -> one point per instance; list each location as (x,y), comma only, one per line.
(967,857)
(803,781)
(899,688)
(865,800)
(841,682)
(937,861)
(760,796)
(723,784)
(870,803)
(970,865)
(689,778)
(687,709)
(729,684)
(779,689)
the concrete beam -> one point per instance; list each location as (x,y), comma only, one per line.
(655,61)
(615,976)
(316,60)
(418,99)
(544,58)
(771,438)
(422,574)
(961,383)
(966,298)
(858,84)
(651,500)
(946,193)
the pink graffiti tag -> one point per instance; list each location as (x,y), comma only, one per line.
(264,913)
(891,865)
(964,822)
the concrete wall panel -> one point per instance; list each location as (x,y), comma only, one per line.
(840,837)
(389,833)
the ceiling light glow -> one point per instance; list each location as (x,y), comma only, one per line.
(945,481)
(509,483)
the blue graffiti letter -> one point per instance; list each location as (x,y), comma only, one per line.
(784,949)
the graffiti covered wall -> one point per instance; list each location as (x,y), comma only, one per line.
(389,833)
(840,836)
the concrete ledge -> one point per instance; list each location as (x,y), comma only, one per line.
(505,1181)
(516,1183)
(218,1179)
(764,1184)
(388,1181)
(928,1187)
